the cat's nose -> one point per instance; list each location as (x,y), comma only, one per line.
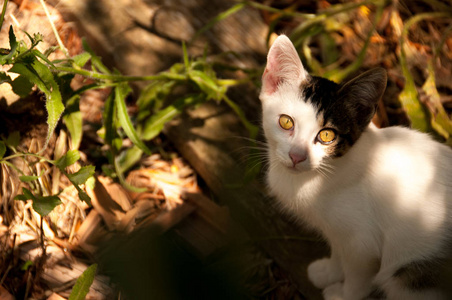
(297,157)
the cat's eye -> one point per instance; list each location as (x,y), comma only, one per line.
(326,136)
(286,122)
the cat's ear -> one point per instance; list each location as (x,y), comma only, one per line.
(283,66)
(361,95)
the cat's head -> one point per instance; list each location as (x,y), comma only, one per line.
(308,120)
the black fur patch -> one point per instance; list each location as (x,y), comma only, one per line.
(377,293)
(348,108)
(323,94)
(419,275)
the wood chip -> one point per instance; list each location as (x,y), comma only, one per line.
(5,295)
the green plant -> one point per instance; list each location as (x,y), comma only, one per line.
(83,283)
(53,78)
(201,84)
(43,202)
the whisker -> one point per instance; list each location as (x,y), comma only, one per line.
(325,170)
(253,156)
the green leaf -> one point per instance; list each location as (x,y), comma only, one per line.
(154,125)
(4,78)
(21,197)
(30,178)
(409,98)
(39,74)
(26,265)
(109,120)
(2,149)
(121,92)
(68,159)
(13,139)
(83,196)
(37,53)
(44,205)
(441,122)
(13,47)
(129,158)
(417,113)
(81,175)
(83,283)
(73,120)
(22,86)
(96,61)
(207,84)
(91,182)
(81,59)
(26,195)
(152,97)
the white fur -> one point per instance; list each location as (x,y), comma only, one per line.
(385,203)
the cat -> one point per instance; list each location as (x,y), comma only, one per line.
(381,198)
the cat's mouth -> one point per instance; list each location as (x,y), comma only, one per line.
(298,168)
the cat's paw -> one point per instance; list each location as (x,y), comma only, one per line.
(334,292)
(323,272)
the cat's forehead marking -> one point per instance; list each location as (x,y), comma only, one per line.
(323,95)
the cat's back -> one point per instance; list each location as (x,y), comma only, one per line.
(408,162)
(403,147)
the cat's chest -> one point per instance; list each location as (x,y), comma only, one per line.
(318,198)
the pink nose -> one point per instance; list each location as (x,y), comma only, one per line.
(297,157)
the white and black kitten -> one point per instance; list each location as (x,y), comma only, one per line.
(381,197)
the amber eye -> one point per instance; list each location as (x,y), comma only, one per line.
(326,136)
(286,122)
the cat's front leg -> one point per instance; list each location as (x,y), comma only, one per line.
(358,282)
(334,292)
(326,271)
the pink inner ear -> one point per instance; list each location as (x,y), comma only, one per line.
(270,82)
(272,76)
(283,65)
